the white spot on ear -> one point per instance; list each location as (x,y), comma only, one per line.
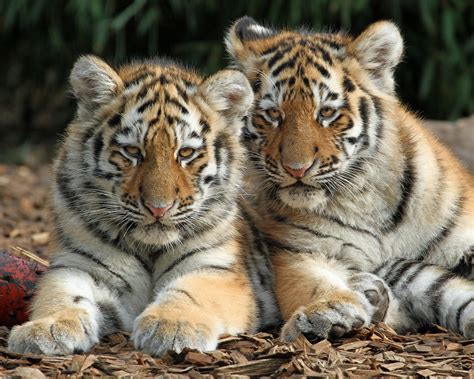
(259,29)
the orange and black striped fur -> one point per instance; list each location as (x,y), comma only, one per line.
(350,183)
(151,238)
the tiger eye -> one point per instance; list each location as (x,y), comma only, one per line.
(274,113)
(132,150)
(185,152)
(327,112)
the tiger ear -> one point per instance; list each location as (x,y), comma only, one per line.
(379,49)
(243,32)
(94,82)
(229,93)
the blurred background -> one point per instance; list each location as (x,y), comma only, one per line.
(41,39)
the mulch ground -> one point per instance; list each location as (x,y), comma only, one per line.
(24,225)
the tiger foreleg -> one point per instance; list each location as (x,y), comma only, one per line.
(193,311)
(316,297)
(66,317)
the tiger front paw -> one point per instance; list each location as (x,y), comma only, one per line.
(61,334)
(330,317)
(156,331)
(375,291)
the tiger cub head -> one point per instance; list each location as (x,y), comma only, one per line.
(318,104)
(154,149)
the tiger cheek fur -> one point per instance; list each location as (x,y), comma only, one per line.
(150,238)
(357,198)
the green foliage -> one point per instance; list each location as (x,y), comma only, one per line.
(41,39)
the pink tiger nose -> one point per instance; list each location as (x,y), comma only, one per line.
(160,210)
(296,170)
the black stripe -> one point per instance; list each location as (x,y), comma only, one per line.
(444,231)
(115,120)
(147,104)
(85,254)
(189,254)
(325,55)
(348,85)
(399,273)
(140,76)
(406,188)
(313,232)
(255,238)
(410,278)
(288,64)
(185,293)
(321,69)
(461,310)
(435,292)
(332,44)
(98,146)
(88,134)
(364,115)
(276,57)
(103,265)
(216,267)
(176,103)
(98,281)
(465,265)
(218,146)
(110,318)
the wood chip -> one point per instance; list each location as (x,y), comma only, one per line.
(197,358)
(426,372)
(393,366)
(28,373)
(419,348)
(321,346)
(88,362)
(40,239)
(354,345)
(453,346)
(469,349)
(255,368)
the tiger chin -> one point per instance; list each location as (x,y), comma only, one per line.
(368,216)
(149,227)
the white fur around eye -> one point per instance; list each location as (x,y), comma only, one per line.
(325,122)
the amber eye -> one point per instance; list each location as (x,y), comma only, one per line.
(327,112)
(186,152)
(274,113)
(132,150)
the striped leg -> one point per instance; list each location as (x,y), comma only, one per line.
(70,314)
(431,294)
(194,310)
(317,296)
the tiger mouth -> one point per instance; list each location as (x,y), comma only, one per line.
(318,178)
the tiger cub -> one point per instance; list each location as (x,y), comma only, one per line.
(350,184)
(151,238)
